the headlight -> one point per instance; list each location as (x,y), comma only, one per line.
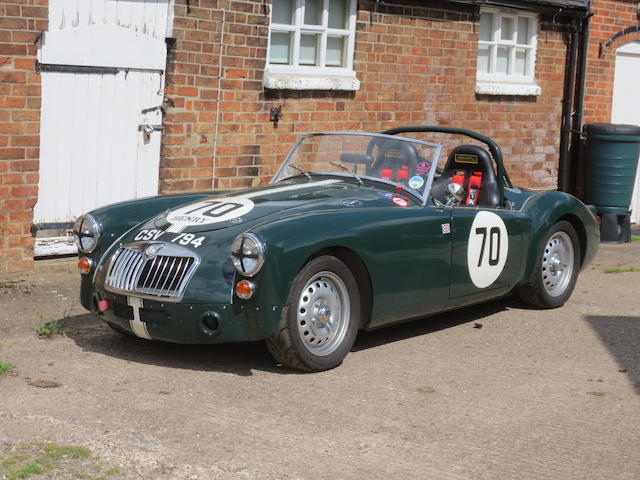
(248,253)
(87,233)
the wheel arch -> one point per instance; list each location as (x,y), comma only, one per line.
(359,270)
(548,208)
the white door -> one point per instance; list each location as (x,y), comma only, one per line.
(626,103)
(102,66)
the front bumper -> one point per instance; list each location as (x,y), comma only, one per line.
(187,323)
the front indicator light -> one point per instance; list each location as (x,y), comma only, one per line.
(245,289)
(85,265)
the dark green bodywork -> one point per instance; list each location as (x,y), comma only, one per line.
(405,265)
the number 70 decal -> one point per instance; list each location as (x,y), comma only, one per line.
(487,249)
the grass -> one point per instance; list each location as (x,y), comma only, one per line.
(50,460)
(48,329)
(25,471)
(5,367)
(635,238)
(51,450)
(621,269)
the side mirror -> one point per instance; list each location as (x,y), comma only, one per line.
(455,193)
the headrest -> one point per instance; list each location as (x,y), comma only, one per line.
(398,150)
(469,157)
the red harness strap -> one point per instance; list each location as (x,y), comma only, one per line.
(403,173)
(458,178)
(474,188)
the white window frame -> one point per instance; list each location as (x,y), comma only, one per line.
(508,84)
(317,77)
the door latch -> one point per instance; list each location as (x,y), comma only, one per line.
(147,129)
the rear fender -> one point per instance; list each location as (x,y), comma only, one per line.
(548,208)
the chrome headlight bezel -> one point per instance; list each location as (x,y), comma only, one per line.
(248,254)
(87,231)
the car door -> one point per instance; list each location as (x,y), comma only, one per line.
(486,252)
(410,264)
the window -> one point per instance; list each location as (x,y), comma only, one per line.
(311,44)
(507,53)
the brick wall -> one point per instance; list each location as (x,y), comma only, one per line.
(416,66)
(610,17)
(20,24)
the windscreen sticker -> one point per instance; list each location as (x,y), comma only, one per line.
(401,202)
(416,182)
(208,211)
(423,168)
(487,249)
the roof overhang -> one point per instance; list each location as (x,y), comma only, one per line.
(566,7)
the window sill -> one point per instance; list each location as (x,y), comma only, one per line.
(500,88)
(299,81)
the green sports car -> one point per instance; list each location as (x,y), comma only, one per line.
(355,231)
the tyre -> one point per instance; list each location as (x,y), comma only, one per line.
(117,328)
(556,270)
(321,318)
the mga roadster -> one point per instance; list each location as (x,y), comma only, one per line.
(355,231)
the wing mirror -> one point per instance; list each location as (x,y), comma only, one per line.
(454,193)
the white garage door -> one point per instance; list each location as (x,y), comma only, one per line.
(626,103)
(102,64)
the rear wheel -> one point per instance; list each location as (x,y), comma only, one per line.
(320,321)
(557,269)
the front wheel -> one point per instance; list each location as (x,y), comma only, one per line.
(321,318)
(557,269)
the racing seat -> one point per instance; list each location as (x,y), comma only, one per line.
(470,166)
(396,161)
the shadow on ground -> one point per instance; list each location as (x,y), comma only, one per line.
(621,336)
(91,334)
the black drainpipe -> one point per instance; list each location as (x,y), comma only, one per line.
(579,107)
(567,110)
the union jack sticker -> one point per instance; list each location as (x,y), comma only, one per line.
(446,228)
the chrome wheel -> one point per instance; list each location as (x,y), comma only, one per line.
(557,264)
(323,313)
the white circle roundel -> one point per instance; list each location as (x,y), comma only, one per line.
(487,249)
(210,211)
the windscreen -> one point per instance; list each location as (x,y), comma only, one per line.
(386,158)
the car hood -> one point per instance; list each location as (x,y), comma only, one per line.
(257,205)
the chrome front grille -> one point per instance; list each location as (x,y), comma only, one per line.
(163,275)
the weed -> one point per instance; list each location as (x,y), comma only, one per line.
(25,471)
(51,450)
(621,269)
(5,367)
(48,329)
(111,471)
(53,461)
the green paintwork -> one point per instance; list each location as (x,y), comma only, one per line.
(402,255)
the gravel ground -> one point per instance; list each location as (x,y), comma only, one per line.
(491,392)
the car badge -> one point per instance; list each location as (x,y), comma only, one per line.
(446,228)
(152,250)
